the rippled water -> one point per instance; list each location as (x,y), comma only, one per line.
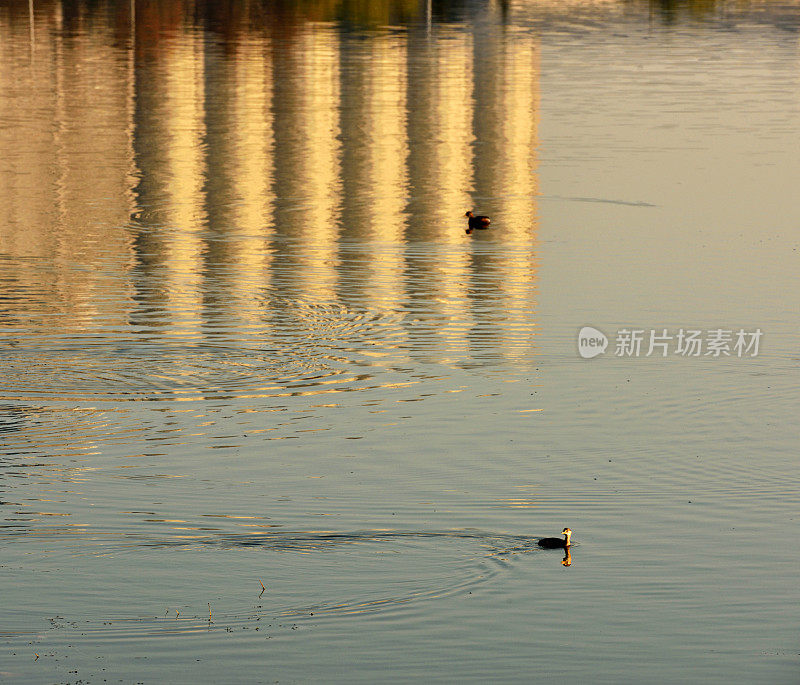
(267,413)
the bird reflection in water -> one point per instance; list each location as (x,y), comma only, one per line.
(559,543)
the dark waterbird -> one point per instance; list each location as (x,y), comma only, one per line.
(477,222)
(556,543)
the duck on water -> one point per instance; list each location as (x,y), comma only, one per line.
(478,222)
(557,543)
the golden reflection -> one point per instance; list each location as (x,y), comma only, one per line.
(374,175)
(506,125)
(171,169)
(440,114)
(440,110)
(59,166)
(239,194)
(184,167)
(306,85)
(506,129)
(307,160)
(567,560)
(373,113)
(295,168)
(254,144)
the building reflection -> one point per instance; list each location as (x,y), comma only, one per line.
(236,158)
(440,114)
(373,120)
(56,168)
(170,153)
(307,158)
(505,125)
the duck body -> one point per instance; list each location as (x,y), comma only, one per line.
(556,543)
(479,222)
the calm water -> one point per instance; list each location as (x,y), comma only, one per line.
(244,339)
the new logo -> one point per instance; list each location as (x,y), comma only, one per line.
(591,342)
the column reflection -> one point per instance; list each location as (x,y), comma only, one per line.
(307,182)
(505,125)
(280,165)
(64,176)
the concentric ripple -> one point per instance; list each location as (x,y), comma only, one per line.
(297,347)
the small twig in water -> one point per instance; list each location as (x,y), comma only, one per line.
(262,588)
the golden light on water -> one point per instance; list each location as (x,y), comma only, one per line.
(269,162)
(238,302)
(184,165)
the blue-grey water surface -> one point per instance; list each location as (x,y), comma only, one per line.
(268,414)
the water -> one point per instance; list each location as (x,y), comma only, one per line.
(268,414)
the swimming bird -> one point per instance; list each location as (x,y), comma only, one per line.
(556,543)
(477,221)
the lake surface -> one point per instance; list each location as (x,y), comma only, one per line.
(268,414)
